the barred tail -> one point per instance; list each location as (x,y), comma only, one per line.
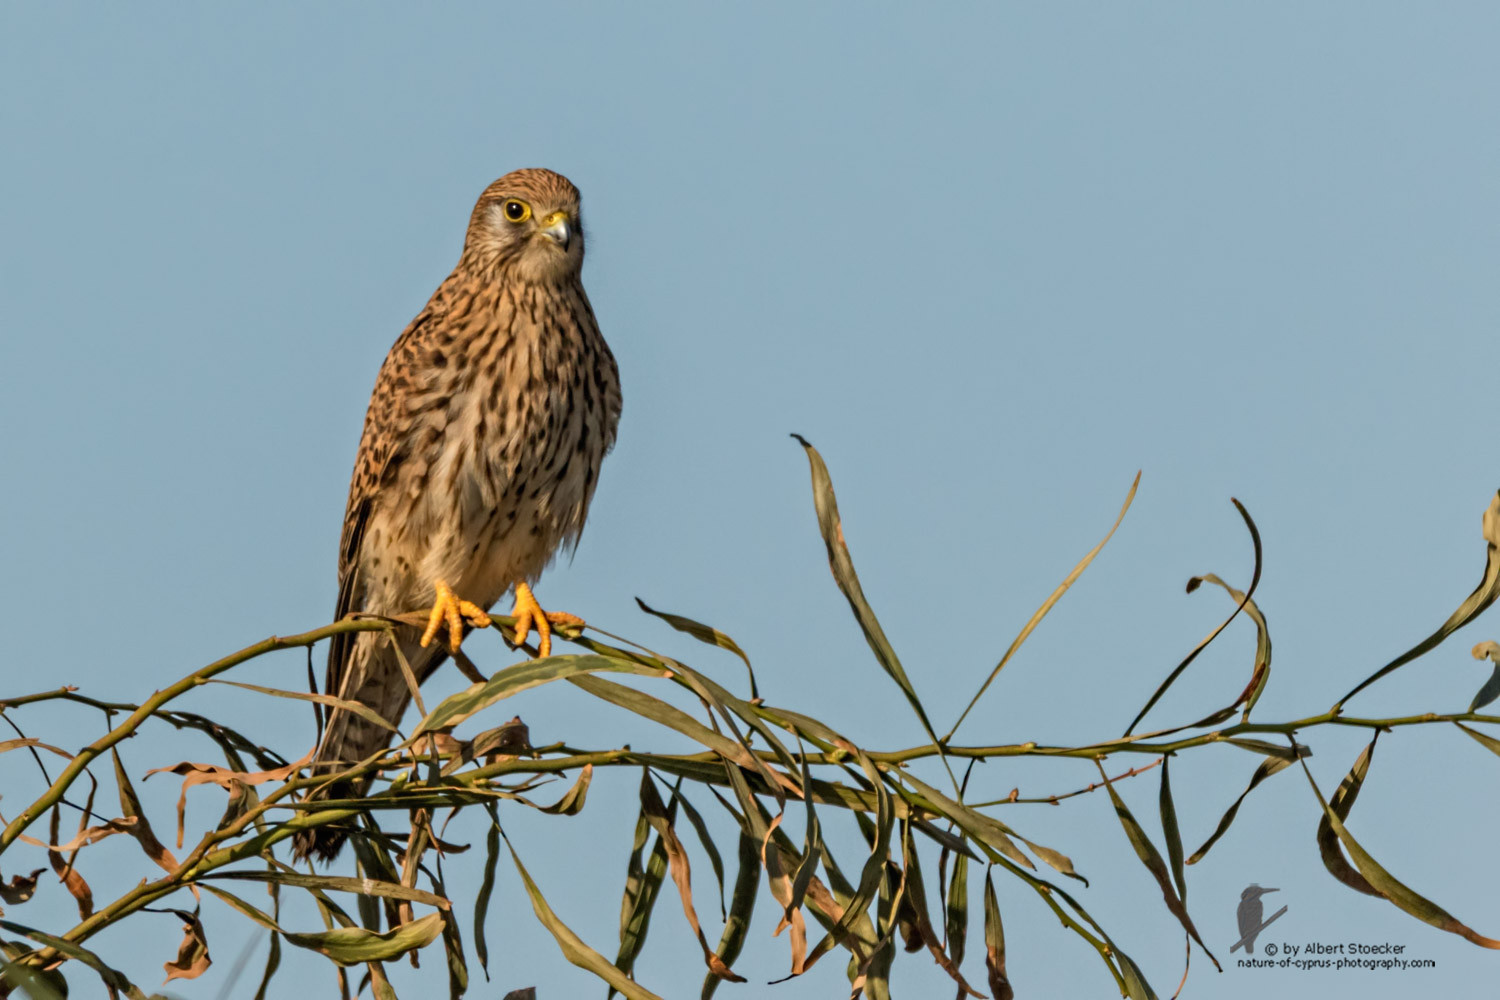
(364,669)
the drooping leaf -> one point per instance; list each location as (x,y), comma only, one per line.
(1208,639)
(1260,673)
(1343,801)
(994,944)
(130,805)
(741,907)
(704,633)
(66,871)
(356,945)
(1389,886)
(513,680)
(572,946)
(642,887)
(709,847)
(235,782)
(486,887)
(1488,742)
(922,932)
(192,955)
(571,803)
(336,883)
(113,978)
(1151,858)
(661,712)
(1267,767)
(956,910)
(361,710)
(30,982)
(656,814)
(1170,831)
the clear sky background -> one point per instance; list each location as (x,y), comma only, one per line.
(990,260)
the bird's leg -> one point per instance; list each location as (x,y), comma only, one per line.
(448,607)
(529,614)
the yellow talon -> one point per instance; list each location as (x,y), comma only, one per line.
(529,615)
(449,607)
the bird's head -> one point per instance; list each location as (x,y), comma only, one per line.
(1254,891)
(528,223)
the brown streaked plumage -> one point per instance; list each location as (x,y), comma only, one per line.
(480,454)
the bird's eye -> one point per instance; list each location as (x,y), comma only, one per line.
(517,211)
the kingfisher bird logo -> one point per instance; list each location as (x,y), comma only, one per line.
(1249,915)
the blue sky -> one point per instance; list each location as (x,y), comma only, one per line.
(990,260)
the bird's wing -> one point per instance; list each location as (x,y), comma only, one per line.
(380,454)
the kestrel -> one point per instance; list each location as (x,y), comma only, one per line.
(480,454)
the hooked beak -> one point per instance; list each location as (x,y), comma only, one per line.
(558,228)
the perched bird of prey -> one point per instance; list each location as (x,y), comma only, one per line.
(480,454)
(1249,915)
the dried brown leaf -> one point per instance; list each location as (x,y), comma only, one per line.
(192,955)
(231,780)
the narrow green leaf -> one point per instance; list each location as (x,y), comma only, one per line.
(1389,886)
(956,905)
(513,680)
(1151,858)
(986,829)
(361,710)
(1260,672)
(1047,605)
(571,945)
(916,899)
(1268,767)
(571,804)
(842,566)
(112,978)
(1208,639)
(273,963)
(1136,987)
(486,887)
(1343,801)
(1170,831)
(812,846)
(704,633)
(246,909)
(661,712)
(1268,749)
(663,822)
(994,944)
(709,847)
(34,984)
(642,887)
(1482,597)
(336,883)
(380,986)
(741,907)
(356,945)
(1488,742)
(453,951)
